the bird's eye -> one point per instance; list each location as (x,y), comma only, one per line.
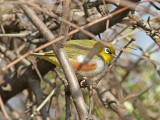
(107,50)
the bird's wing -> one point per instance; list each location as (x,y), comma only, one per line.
(73,48)
(79,47)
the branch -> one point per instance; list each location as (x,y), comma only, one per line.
(101,26)
(154,5)
(110,101)
(136,20)
(63,59)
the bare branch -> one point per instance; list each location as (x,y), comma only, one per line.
(63,59)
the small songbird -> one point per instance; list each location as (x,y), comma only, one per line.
(88,58)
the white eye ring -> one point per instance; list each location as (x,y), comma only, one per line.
(107,50)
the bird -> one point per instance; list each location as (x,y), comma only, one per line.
(87,57)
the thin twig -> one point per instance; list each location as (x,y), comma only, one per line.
(46,100)
(4,109)
(36,69)
(154,5)
(90,101)
(67,95)
(135,96)
(23,34)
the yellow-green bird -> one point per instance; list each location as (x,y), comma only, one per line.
(88,58)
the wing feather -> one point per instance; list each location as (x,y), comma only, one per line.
(73,48)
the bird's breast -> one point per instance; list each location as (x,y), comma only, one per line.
(86,67)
